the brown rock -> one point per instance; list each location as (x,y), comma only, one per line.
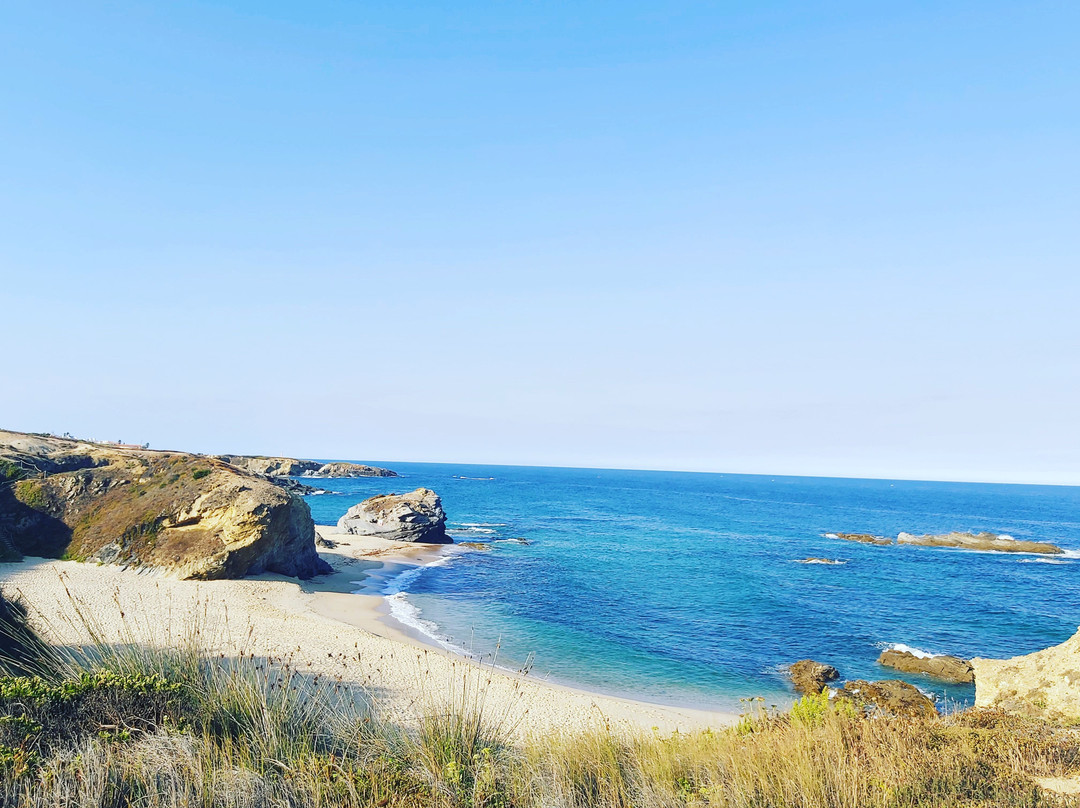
(889,697)
(944,667)
(811,677)
(981,541)
(862,538)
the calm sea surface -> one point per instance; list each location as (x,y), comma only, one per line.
(685,588)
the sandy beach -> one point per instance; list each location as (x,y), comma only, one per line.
(336,625)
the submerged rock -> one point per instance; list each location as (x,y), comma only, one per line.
(944,667)
(888,697)
(414,517)
(186,514)
(816,560)
(862,538)
(980,541)
(1045,684)
(811,677)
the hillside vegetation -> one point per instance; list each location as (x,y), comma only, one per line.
(132,725)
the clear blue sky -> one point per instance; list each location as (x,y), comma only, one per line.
(828,238)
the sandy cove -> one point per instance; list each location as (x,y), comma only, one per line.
(321,626)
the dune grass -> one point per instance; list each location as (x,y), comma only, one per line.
(126,724)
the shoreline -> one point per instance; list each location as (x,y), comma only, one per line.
(330,626)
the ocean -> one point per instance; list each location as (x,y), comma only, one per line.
(686,588)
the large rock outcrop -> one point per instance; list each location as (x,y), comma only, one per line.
(940,666)
(192,516)
(987,542)
(980,541)
(1045,684)
(291,467)
(414,517)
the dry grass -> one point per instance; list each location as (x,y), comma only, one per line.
(250,731)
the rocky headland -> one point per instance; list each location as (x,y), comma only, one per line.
(192,516)
(1045,684)
(414,517)
(291,467)
(985,541)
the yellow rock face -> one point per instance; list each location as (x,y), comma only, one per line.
(1045,684)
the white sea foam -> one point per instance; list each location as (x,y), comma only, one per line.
(470,530)
(915,652)
(1043,561)
(829,561)
(407,614)
(481,524)
(831,536)
(396,592)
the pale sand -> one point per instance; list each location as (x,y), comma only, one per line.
(323,627)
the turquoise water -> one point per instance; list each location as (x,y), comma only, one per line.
(684,588)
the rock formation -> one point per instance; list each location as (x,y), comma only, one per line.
(811,677)
(862,538)
(192,516)
(967,541)
(980,541)
(944,667)
(888,697)
(291,467)
(1044,684)
(415,517)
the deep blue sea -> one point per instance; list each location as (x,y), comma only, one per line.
(684,588)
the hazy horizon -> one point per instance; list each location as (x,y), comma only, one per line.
(829,241)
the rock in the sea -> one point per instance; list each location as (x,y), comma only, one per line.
(189,515)
(862,538)
(811,677)
(415,517)
(944,667)
(980,541)
(349,470)
(888,697)
(1044,684)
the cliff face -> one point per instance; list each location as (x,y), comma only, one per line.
(194,516)
(291,467)
(1045,684)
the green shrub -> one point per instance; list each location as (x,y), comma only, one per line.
(10,471)
(198,474)
(32,494)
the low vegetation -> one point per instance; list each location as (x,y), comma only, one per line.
(133,725)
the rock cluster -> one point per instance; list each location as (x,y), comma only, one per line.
(291,467)
(1044,684)
(887,697)
(944,667)
(189,515)
(414,517)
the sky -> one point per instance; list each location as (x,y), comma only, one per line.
(838,238)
